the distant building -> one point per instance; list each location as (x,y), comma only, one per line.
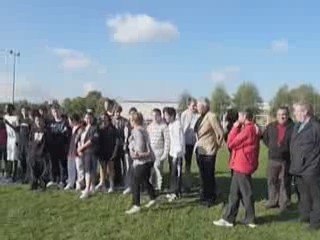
(145,106)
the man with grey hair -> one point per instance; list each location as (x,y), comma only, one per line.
(209,139)
(305,163)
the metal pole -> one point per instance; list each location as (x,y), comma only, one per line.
(14,77)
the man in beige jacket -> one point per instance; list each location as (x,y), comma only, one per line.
(209,139)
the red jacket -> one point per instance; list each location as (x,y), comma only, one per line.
(244,143)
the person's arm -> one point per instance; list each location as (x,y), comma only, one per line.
(216,126)
(166,138)
(15,128)
(94,138)
(239,139)
(117,145)
(265,136)
(139,144)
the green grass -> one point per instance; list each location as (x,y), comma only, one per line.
(60,215)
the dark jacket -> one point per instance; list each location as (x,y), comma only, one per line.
(305,149)
(270,138)
(38,147)
(109,142)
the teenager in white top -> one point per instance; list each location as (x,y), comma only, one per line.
(177,152)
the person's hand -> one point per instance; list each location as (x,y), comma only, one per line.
(79,151)
(236,124)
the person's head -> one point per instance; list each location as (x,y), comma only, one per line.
(38,120)
(192,105)
(170,115)
(74,119)
(24,111)
(156,115)
(245,116)
(9,109)
(283,115)
(303,111)
(118,112)
(55,111)
(106,119)
(89,118)
(132,110)
(136,119)
(203,105)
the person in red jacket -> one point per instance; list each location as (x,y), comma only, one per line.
(244,141)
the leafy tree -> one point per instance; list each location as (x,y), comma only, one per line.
(220,100)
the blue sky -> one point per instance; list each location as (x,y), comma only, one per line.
(143,49)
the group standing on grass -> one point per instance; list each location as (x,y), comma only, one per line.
(53,150)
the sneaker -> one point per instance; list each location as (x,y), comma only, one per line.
(127,191)
(150,203)
(223,223)
(172,198)
(111,190)
(78,187)
(168,196)
(51,184)
(68,187)
(100,187)
(252,225)
(85,195)
(133,210)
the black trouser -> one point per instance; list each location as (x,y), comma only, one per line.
(3,158)
(119,162)
(175,175)
(39,171)
(278,184)
(141,175)
(309,205)
(206,164)
(188,157)
(240,190)
(59,166)
(23,158)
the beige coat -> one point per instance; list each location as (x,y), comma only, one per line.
(209,135)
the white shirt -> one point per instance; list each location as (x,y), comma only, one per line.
(177,140)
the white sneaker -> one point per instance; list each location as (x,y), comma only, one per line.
(68,187)
(133,210)
(252,225)
(168,196)
(223,223)
(100,187)
(172,198)
(85,195)
(150,203)
(111,190)
(51,184)
(127,191)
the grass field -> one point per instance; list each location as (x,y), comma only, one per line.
(60,215)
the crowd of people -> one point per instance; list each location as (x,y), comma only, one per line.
(72,152)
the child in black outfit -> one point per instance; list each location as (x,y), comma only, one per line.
(38,155)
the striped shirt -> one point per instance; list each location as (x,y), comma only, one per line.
(159,140)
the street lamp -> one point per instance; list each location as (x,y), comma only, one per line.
(15,55)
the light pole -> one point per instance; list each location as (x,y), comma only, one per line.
(15,55)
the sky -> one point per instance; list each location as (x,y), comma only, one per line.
(155,50)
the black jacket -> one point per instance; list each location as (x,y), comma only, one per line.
(109,142)
(92,135)
(38,147)
(270,138)
(305,149)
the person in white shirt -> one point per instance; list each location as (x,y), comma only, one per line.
(188,121)
(160,142)
(12,126)
(177,152)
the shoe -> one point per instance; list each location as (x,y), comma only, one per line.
(173,198)
(127,191)
(150,203)
(111,190)
(168,196)
(85,195)
(51,184)
(68,187)
(270,206)
(252,225)
(223,223)
(133,210)
(100,188)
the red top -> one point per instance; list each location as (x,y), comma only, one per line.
(3,137)
(281,133)
(244,143)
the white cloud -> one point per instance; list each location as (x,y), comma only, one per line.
(226,74)
(139,28)
(25,89)
(88,87)
(72,59)
(280,46)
